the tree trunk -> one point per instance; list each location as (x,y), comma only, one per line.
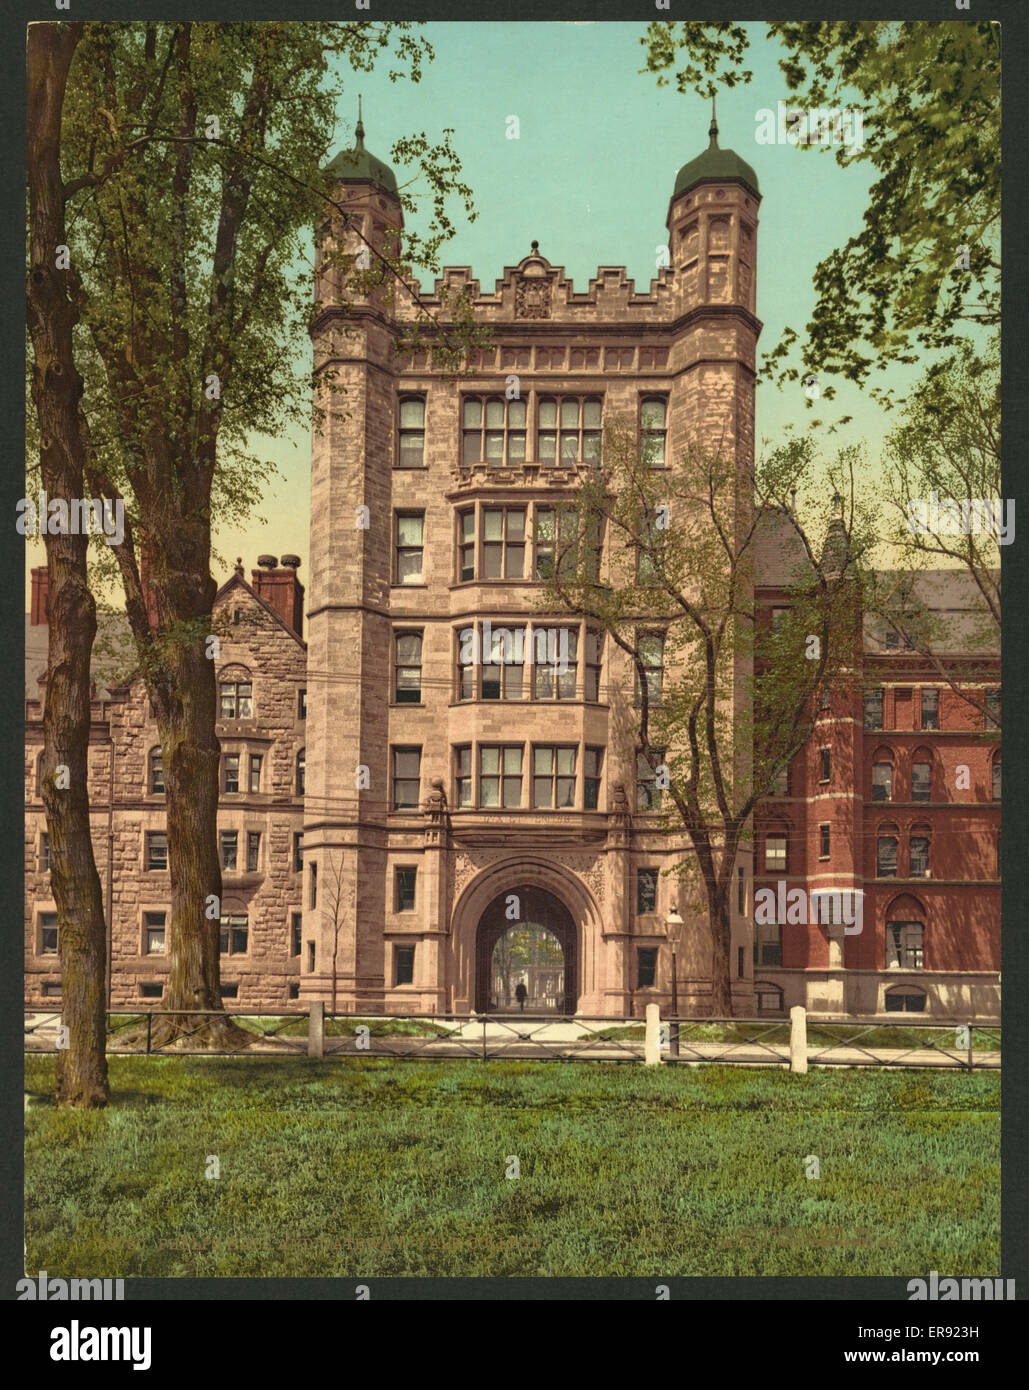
(720,919)
(335,950)
(184,694)
(56,391)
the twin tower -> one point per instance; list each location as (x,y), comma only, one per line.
(436,790)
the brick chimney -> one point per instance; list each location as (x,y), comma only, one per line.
(40,604)
(280,589)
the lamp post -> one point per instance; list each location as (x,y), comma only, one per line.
(673,923)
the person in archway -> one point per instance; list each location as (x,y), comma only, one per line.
(521,994)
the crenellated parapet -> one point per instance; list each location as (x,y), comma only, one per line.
(537,293)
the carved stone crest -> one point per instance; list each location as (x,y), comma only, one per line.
(532,299)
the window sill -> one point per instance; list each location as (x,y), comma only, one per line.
(523,582)
(522,704)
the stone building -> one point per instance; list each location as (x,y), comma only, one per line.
(469,822)
(439,788)
(451,797)
(261,678)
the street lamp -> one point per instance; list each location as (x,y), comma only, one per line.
(673,924)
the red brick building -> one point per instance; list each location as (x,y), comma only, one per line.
(896,798)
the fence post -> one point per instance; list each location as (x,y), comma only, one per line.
(149,1029)
(971,1059)
(316,1029)
(651,1047)
(798,1039)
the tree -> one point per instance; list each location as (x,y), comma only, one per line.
(56,390)
(339,904)
(941,483)
(711,697)
(197,153)
(926,262)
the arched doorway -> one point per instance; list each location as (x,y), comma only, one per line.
(536,946)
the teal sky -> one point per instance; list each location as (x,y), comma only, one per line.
(590,178)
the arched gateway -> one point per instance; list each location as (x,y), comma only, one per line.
(537,948)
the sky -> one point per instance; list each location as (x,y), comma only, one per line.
(590,178)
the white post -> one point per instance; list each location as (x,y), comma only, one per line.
(651,1048)
(798,1039)
(316,1029)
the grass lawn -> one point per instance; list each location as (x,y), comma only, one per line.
(274,1025)
(378,1167)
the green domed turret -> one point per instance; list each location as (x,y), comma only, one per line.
(358,163)
(716,166)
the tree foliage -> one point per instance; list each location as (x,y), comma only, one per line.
(712,697)
(941,488)
(195,157)
(930,92)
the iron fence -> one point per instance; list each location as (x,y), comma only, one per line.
(843,1043)
(490,1037)
(550,1037)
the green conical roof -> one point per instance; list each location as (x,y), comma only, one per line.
(359,163)
(716,165)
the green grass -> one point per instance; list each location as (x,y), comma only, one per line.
(378,1167)
(297,1027)
(347,1027)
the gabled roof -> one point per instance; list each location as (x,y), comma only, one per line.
(114,634)
(236,580)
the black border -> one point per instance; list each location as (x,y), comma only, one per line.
(1015,1138)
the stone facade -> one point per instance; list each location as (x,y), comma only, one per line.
(437,806)
(419,462)
(260,969)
